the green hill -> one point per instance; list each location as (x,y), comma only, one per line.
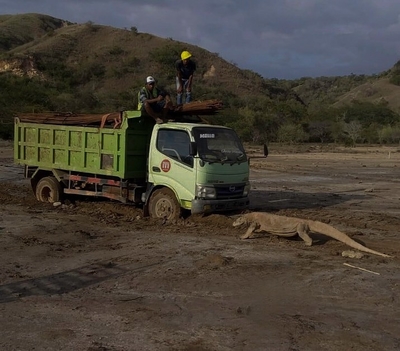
(377,92)
(116,59)
(17,30)
(53,64)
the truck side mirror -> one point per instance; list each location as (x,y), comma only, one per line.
(192,149)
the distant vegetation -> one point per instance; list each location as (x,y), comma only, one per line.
(47,64)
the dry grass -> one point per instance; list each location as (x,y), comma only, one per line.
(17,30)
(129,56)
(116,49)
(374,92)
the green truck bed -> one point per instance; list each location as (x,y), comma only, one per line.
(118,152)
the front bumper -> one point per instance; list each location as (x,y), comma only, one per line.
(209,206)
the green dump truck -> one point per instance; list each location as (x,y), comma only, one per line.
(166,168)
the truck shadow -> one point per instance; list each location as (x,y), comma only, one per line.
(261,200)
(65,282)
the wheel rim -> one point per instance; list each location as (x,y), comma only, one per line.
(47,194)
(164,208)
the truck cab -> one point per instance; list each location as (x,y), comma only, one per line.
(204,167)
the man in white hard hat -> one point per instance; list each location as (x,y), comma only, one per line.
(185,68)
(153,101)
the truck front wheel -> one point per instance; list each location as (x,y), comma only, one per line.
(163,204)
(48,189)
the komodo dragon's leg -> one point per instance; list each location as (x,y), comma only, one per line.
(253,226)
(303,229)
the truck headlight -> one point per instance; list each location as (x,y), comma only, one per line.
(205,192)
(246,189)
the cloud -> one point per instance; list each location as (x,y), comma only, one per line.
(277,39)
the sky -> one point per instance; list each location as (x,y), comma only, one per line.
(284,39)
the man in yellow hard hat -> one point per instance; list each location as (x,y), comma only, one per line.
(185,68)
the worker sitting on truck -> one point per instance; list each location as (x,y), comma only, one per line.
(153,101)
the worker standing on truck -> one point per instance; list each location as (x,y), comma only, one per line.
(153,101)
(185,68)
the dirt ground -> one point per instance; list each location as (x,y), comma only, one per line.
(96,276)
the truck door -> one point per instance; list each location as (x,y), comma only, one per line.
(171,164)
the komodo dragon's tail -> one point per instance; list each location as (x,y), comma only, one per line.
(332,232)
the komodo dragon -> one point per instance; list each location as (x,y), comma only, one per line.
(290,226)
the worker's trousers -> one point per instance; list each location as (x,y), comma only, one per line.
(184,90)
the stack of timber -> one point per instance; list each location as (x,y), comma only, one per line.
(206,107)
(71,119)
(182,113)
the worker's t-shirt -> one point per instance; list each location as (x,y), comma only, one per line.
(186,70)
(145,94)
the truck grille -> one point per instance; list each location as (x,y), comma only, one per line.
(229,191)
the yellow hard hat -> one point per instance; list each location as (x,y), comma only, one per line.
(185,55)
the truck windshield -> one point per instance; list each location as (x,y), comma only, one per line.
(219,145)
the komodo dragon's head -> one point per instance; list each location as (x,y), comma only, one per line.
(239,221)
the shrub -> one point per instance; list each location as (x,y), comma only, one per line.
(292,133)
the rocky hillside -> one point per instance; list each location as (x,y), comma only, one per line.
(50,64)
(16,30)
(380,91)
(117,59)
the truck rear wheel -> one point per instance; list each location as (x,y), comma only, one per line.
(163,204)
(48,189)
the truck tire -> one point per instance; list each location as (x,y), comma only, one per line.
(164,205)
(48,189)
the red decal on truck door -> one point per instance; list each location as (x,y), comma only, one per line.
(165,165)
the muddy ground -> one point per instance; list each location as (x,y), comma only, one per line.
(96,276)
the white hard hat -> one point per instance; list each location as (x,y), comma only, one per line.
(150,79)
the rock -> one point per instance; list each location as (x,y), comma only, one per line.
(57,204)
(352,254)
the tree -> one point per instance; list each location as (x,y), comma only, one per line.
(320,130)
(291,133)
(389,134)
(352,130)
